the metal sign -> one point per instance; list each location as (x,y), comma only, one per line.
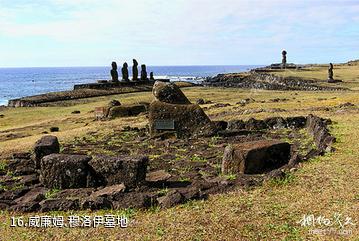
(164,124)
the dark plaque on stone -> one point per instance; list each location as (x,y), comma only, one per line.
(164,124)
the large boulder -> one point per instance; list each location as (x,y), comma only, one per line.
(126,110)
(45,146)
(65,171)
(184,120)
(255,157)
(131,171)
(169,93)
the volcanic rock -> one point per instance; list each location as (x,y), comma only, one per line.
(255,157)
(131,171)
(65,171)
(45,146)
(169,93)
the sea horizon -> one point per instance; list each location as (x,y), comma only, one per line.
(17,82)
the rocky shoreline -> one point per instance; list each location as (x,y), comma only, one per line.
(265,80)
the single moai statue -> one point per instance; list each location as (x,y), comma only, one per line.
(151,76)
(143,72)
(330,72)
(125,72)
(135,70)
(284,59)
(114,73)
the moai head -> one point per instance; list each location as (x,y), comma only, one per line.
(125,65)
(135,63)
(331,66)
(151,76)
(114,65)
(143,67)
(284,53)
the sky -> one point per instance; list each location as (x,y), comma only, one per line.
(35,33)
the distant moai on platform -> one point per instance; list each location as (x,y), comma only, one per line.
(284,59)
(114,73)
(143,72)
(151,76)
(135,70)
(125,76)
(330,72)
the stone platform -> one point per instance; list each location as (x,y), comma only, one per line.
(83,91)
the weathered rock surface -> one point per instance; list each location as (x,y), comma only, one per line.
(188,119)
(255,157)
(125,110)
(45,146)
(110,191)
(170,199)
(158,176)
(96,203)
(65,171)
(30,201)
(134,200)
(59,205)
(74,193)
(131,171)
(318,128)
(269,123)
(11,195)
(169,93)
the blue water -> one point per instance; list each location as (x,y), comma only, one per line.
(20,82)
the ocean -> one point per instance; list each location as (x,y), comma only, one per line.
(20,82)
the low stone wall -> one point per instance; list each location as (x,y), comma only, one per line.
(107,85)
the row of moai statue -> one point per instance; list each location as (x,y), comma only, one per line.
(125,75)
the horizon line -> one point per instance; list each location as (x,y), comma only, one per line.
(195,65)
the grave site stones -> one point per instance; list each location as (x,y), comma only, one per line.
(129,179)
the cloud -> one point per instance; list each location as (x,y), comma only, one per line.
(182,31)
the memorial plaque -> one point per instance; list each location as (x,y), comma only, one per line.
(164,124)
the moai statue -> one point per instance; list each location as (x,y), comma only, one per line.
(284,59)
(330,73)
(125,72)
(143,72)
(135,70)
(114,73)
(151,76)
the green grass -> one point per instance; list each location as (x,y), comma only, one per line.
(197,158)
(51,193)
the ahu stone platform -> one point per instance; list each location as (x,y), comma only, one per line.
(83,91)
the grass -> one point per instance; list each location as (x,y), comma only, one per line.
(3,165)
(197,158)
(322,186)
(51,193)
